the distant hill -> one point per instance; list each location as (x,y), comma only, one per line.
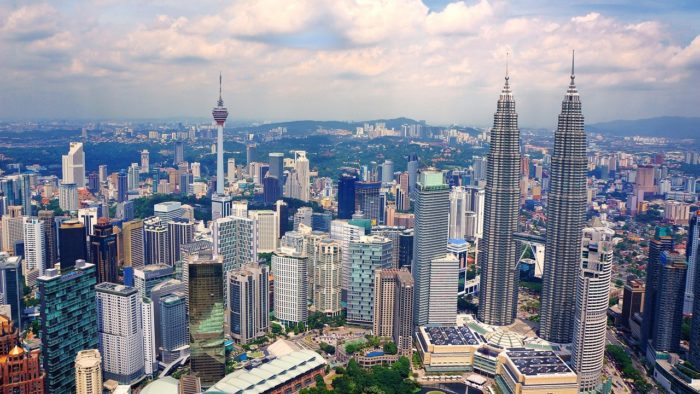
(669,126)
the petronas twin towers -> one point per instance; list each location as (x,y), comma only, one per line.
(566,209)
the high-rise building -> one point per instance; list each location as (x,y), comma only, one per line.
(499,275)
(393,307)
(133,243)
(20,371)
(168,210)
(566,213)
(180,232)
(88,372)
(220,113)
(282,215)
(93,182)
(234,240)
(301,171)
(344,232)
(88,217)
(25,192)
(34,245)
(272,191)
(458,213)
(148,277)
(145,162)
(327,277)
(68,322)
(321,221)
(303,215)
(156,239)
(430,239)
(412,169)
(103,251)
(248,294)
(179,152)
(406,249)
(68,196)
(692,254)
(12,228)
(387,171)
(632,300)
(72,244)
(267,230)
(694,353)
(150,365)
(592,295)
(206,320)
(289,269)
(73,165)
(122,186)
(120,330)
(231,170)
(102,172)
(367,200)
(221,206)
(12,286)
(346,195)
(394,234)
(276,161)
(50,237)
(170,323)
(443,282)
(367,255)
(662,241)
(669,303)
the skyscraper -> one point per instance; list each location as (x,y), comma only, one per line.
(430,239)
(248,294)
(68,322)
(301,170)
(346,195)
(662,241)
(231,170)
(72,244)
(499,274)
(393,307)
(290,270)
(632,299)
(103,251)
(220,113)
(267,230)
(327,277)
(566,213)
(669,304)
(179,152)
(25,192)
(145,162)
(276,166)
(367,255)
(592,295)
(206,320)
(412,169)
(88,372)
(150,276)
(272,191)
(694,353)
(133,243)
(367,200)
(344,233)
(692,253)
(234,240)
(458,211)
(34,245)
(73,165)
(157,250)
(180,232)
(50,237)
(122,186)
(221,206)
(120,329)
(12,286)
(68,196)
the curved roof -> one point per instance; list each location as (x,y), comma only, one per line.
(505,339)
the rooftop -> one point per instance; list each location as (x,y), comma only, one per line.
(115,288)
(537,362)
(459,335)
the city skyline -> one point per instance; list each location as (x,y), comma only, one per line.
(303,61)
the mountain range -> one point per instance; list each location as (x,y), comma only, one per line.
(664,126)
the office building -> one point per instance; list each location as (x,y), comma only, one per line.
(248,294)
(694,353)
(283,216)
(145,162)
(234,240)
(327,277)
(289,268)
(458,212)
(50,237)
(72,244)
(220,113)
(88,372)
(73,165)
(632,300)
(344,232)
(12,228)
(367,255)
(443,282)
(150,365)
(156,241)
(206,320)
(221,206)
(499,275)
(122,186)
(393,307)
(168,210)
(68,322)
(170,326)
(272,191)
(321,221)
(406,249)
(300,177)
(103,251)
(34,245)
(25,192)
(669,303)
(231,172)
(120,330)
(590,316)
(346,195)
(68,197)
(303,215)
(88,217)
(367,200)
(180,232)
(692,254)
(566,213)
(12,286)
(133,243)
(267,230)
(276,161)
(662,241)
(20,370)
(148,277)
(430,237)
(394,234)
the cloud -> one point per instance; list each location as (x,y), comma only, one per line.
(335,59)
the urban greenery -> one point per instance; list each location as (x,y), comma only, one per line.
(624,364)
(380,379)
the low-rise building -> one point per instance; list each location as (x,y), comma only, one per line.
(523,371)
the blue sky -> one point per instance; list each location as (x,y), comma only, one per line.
(438,60)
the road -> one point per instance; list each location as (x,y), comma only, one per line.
(618,382)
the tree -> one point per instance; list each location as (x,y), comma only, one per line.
(390,348)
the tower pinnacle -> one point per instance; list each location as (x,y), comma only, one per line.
(572,66)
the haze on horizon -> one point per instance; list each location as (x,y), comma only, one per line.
(439,60)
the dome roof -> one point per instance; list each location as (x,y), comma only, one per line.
(505,339)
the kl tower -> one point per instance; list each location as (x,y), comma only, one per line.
(220,113)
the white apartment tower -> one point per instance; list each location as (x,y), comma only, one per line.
(291,286)
(73,165)
(267,229)
(327,277)
(34,245)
